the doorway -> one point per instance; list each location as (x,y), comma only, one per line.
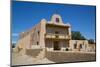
(56,45)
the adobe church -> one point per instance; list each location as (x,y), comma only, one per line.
(53,35)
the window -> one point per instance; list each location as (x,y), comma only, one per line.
(57,19)
(80,45)
(67,31)
(37,43)
(75,46)
(56,32)
(38,32)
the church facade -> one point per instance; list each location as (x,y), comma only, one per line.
(53,35)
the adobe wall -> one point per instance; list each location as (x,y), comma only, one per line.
(63,44)
(50,29)
(35,35)
(33,52)
(91,48)
(84,44)
(37,54)
(29,38)
(70,56)
(24,42)
(42,33)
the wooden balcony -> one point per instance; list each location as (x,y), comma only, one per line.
(57,36)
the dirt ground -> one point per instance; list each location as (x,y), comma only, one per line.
(25,59)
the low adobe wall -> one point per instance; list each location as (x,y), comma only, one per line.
(33,52)
(70,56)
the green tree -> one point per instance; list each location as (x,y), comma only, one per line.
(76,35)
(91,41)
(13,45)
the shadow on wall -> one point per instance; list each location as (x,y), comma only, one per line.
(33,52)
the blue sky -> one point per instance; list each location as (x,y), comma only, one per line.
(26,14)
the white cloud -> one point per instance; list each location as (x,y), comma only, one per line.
(13,41)
(15,34)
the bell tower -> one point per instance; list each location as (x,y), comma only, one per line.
(56,19)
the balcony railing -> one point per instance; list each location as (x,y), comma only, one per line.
(57,36)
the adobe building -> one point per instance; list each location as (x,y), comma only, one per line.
(52,35)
